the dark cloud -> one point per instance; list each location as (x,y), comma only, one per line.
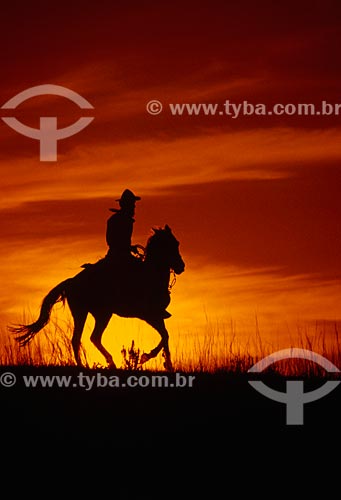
(164,42)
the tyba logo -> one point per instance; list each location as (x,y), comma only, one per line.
(48,134)
(294,398)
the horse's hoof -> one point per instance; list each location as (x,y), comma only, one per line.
(168,366)
(144,358)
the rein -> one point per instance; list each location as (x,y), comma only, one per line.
(139,252)
(172,281)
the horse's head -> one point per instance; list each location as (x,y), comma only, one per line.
(164,247)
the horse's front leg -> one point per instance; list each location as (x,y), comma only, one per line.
(166,354)
(159,326)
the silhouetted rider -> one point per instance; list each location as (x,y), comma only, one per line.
(118,235)
(120,228)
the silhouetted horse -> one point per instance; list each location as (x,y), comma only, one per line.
(101,289)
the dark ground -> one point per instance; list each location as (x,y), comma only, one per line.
(220,423)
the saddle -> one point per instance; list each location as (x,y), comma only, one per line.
(137,255)
(109,270)
(128,283)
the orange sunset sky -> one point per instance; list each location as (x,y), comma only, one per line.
(254,201)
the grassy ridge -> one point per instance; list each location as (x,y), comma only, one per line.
(218,349)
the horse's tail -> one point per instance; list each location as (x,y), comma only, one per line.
(27,332)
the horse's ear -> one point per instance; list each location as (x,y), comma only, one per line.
(167,228)
(154,229)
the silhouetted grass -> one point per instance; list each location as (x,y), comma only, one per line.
(52,347)
(218,348)
(221,348)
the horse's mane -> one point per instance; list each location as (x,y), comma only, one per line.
(154,239)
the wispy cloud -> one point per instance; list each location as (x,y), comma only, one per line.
(156,163)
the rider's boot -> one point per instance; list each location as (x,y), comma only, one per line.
(165,314)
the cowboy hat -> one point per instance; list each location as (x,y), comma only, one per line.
(127,198)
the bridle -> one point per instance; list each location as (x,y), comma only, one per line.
(139,253)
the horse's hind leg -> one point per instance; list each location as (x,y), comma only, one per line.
(79,317)
(101,322)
